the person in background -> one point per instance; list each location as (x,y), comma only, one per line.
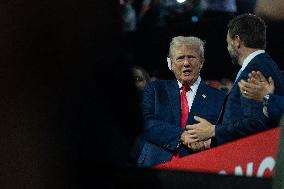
(169,105)
(240,117)
(219,5)
(128,16)
(226,84)
(213,83)
(272,10)
(141,77)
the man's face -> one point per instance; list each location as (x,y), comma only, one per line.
(186,64)
(139,79)
(231,47)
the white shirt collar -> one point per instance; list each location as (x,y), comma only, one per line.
(192,92)
(250,57)
(195,85)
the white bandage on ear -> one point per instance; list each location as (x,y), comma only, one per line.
(169,63)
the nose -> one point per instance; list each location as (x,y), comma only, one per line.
(186,61)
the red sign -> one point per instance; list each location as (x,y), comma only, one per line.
(251,156)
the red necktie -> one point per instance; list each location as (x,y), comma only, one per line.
(184,106)
(184,112)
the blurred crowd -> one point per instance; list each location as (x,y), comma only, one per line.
(152,13)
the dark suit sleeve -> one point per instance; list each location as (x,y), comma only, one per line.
(157,129)
(252,121)
(275,106)
(245,116)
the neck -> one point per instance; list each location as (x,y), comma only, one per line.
(244,53)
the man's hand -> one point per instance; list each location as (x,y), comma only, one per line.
(257,86)
(199,146)
(194,144)
(186,139)
(201,131)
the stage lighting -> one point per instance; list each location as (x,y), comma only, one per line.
(181,1)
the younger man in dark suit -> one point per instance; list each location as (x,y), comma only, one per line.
(241,117)
(164,136)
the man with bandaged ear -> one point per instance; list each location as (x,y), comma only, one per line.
(170,105)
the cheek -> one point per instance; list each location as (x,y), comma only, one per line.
(197,67)
(200,67)
(230,50)
(173,67)
(229,47)
(176,69)
(140,83)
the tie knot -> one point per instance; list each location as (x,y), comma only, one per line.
(185,88)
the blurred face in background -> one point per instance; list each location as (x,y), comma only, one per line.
(231,47)
(186,63)
(140,80)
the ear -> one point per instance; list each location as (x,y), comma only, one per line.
(169,63)
(238,41)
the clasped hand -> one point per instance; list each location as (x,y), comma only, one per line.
(198,136)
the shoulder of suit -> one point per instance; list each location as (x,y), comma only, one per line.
(265,65)
(262,60)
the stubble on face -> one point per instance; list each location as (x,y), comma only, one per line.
(232,50)
(234,56)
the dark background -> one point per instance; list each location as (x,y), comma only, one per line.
(68,113)
(148,45)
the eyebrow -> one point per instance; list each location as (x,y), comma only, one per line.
(189,56)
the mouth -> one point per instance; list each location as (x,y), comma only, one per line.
(186,72)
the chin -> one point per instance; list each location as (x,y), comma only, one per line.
(188,81)
(235,62)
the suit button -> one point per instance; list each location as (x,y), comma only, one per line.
(178,145)
(165,145)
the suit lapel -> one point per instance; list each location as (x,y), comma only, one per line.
(248,67)
(174,99)
(220,117)
(252,62)
(198,102)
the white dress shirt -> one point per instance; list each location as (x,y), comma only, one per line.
(247,61)
(190,95)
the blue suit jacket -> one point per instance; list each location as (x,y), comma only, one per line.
(161,109)
(241,117)
(275,107)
